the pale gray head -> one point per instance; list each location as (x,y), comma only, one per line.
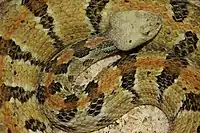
(133,28)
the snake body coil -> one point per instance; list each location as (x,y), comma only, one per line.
(60,71)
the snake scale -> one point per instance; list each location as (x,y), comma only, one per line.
(60,71)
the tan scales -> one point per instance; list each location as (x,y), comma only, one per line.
(45,45)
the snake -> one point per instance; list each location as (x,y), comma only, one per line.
(60,69)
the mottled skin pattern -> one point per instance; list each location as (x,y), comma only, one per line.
(55,76)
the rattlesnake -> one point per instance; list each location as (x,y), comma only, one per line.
(55,76)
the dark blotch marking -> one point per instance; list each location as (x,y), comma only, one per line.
(125,59)
(95,105)
(54,87)
(90,88)
(34,125)
(65,115)
(39,9)
(9,131)
(14,72)
(179,8)
(5,46)
(148,73)
(198,129)
(164,80)
(93,12)
(88,62)
(50,66)
(71,78)
(104,121)
(62,68)
(81,52)
(183,62)
(6,92)
(71,98)
(79,49)
(40,94)
(184,47)
(191,102)
(20,94)
(9,47)
(128,79)
(126,1)
(46,21)
(184,88)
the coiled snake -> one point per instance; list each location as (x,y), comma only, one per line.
(60,70)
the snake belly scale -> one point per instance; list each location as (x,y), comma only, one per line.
(60,71)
